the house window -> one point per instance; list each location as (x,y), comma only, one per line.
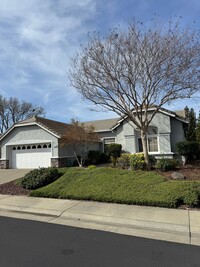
(152,140)
(108,141)
(140,145)
(152,144)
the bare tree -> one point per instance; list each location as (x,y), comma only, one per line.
(131,70)
(13,110)
(79,136)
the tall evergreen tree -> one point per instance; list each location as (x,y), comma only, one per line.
(187,111)
(191,132)
(198,129)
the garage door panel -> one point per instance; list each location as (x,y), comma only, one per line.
(33,158)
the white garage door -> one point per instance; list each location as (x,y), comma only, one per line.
(31,156)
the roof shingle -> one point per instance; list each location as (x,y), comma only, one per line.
(56,127)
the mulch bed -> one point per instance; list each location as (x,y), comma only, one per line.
(191,172)
(12,189)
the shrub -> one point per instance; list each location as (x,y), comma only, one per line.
(114,151)
(152,160)
(39,177)
(104,158)
(188,148)
(165,164)
(124,160)
(137,162)
(122,186)
(91,167)
(96,157)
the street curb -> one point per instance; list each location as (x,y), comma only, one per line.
(149,226)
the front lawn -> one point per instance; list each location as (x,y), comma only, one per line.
(121,186)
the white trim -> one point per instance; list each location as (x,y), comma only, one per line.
(118,124)
(28,142)
(109,138)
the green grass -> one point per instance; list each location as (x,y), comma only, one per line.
(121,186)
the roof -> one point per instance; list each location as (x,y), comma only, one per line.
(102,125)
(59,128)
(181,113)
(111,124)
(55,127)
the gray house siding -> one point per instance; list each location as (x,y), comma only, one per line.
(177,133)
(127,134)
(162,122)
(66,150)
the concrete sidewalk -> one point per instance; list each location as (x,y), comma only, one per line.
(182,226)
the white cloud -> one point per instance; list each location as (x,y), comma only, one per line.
(37,39)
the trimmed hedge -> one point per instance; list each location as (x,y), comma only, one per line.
(39,177)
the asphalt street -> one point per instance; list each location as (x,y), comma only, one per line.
(30,243)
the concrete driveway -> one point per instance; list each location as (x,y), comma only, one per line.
(9,175)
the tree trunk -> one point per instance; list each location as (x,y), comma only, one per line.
(78,161)
(145,148)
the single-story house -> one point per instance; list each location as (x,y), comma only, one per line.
(37,142)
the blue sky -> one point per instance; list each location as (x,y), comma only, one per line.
(37,39)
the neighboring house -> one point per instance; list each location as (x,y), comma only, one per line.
(37,142)
(34,143)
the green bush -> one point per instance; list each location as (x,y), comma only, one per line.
(90,167)
(137,162)
(122,186)
(152,160)
(96,157)
(39,177)
(114,152)
(165,164)
(124,160)
(188,148)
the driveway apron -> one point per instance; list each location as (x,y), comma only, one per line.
(8,175)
